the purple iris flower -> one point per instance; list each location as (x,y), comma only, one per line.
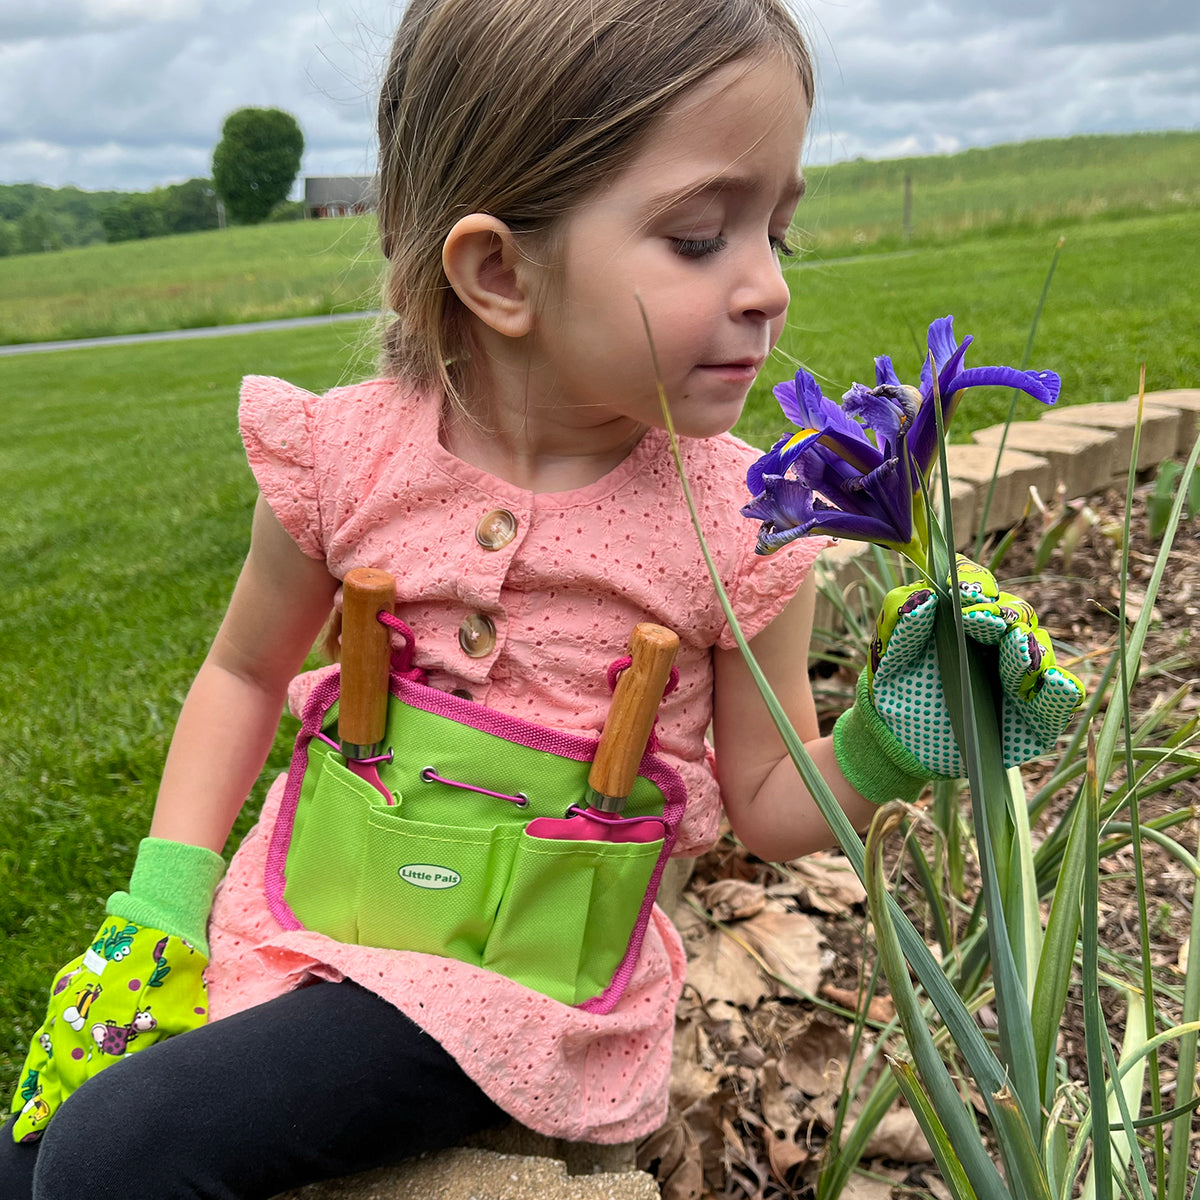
(854,470)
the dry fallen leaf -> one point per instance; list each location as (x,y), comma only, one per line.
(790,944)
(830,882)
(734,899)
(725,970)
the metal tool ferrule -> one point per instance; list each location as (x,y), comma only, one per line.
(355,753)
(607,804)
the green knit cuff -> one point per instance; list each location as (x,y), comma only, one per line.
(872,760)
(171,889)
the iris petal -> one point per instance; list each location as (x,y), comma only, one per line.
(852,469)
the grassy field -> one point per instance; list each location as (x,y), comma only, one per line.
(308,267)
(218,277)
(127,503)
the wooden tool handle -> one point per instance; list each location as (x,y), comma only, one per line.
(631,716)
(366,655)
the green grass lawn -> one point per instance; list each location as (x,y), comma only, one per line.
(127,501)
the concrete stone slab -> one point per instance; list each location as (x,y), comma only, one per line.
(1080,458)
(1185,401)
(1160,430)
(1018,472)
(468,1173)
(965,507)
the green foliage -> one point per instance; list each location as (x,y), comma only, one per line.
(35,218)
(180,208)
(256,161)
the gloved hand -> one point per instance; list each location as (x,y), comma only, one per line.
(141,980)
(898,734)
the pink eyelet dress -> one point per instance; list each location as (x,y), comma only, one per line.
(520,601)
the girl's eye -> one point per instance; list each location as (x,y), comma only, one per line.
(780,246)
(697,247)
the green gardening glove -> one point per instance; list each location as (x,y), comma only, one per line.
(898,735)
(141,980)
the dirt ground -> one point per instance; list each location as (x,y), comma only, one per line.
(778,953)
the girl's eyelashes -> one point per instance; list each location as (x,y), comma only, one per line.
(703,247)
(697,247)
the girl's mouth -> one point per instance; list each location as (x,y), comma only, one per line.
(742,371)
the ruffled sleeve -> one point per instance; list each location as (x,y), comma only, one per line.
(766,583)
(276,422)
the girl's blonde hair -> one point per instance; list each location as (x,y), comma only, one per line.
(520,109)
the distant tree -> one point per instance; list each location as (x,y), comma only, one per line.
(190,206)
(256,161)
(133,217)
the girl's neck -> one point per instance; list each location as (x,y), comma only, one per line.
(538,447)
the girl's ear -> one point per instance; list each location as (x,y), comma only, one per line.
(489,274)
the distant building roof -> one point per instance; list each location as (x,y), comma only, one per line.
(344,192)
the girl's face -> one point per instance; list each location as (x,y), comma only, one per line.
(693,226)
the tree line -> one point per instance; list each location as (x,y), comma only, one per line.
(254,166)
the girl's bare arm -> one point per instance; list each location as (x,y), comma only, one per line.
(231,713)
(768,805)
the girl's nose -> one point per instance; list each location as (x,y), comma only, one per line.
(761,292)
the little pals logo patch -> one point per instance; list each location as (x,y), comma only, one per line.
(429,875)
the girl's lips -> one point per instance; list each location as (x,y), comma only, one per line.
(735,372)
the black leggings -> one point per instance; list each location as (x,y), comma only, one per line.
(322,1082)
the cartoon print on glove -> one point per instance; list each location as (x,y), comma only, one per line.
(76,1014)
(114,942)
(61,984)
(35,1108)
(114,1039)
(976,583)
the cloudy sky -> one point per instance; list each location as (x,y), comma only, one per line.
(130,94)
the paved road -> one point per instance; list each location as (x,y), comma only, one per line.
(169,335)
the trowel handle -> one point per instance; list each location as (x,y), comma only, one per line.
(635,702)
(366,657)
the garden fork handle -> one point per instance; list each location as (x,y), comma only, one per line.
(366,659)
(630,719)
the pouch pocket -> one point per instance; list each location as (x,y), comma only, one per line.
(322,868)
(433,888)
(566,918)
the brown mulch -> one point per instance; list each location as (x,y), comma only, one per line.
(778,953)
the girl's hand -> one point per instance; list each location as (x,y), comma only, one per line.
(899,733)
(141,980)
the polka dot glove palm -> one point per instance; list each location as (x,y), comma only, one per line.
(141,980)
(898,735)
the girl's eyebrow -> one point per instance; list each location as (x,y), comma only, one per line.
(717,186)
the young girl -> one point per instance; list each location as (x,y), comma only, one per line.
(544,164)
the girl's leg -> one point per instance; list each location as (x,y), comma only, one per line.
(324,1081)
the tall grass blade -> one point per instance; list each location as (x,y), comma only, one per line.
(1053,979)
(1185,1089)
(1139,870)
(1094,1028)
(1012,405)
(953,1175)
(954,1119)
(971,702)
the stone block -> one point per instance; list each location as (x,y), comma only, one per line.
(1018,471)
(1160,430)
(1080,458)
(965,507)
(1186,402)
(469,1173)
